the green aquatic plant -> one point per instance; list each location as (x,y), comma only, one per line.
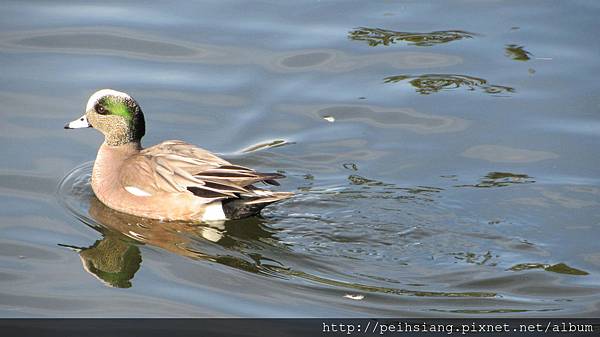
(517,53)
(383,37)
(430,83)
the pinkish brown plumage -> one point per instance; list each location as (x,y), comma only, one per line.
(172,180)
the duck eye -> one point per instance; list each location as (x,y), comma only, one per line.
(101,109)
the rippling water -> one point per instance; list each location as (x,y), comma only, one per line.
(443,156)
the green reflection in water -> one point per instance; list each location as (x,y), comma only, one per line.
(114,259)
(431,83)
(560,268)
(377,36)
(501,179)
(517,53)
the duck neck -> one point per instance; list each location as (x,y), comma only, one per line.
(123,136)
(126,149)
(110,158)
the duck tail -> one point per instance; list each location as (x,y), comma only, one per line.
(251,204)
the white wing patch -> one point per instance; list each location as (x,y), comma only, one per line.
(137,191)
(214,212)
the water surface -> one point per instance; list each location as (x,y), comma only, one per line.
(443,156)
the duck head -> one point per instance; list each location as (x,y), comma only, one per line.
(115,114)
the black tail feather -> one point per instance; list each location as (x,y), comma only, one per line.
(246,206)
(238,209)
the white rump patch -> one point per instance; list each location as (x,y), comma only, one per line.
(137,191)
(214,212)
(101,93)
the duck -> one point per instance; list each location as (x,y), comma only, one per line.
(172,180)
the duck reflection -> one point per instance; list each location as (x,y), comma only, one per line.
(377,36)
(430,83)
(116,257)
(113,260)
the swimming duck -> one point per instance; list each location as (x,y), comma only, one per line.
(169,181)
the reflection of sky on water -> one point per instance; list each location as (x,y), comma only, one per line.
(504,154)
(400,195)
(121,43)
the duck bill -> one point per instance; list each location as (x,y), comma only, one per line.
(79,123)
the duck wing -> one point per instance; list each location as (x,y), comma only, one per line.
(178,167)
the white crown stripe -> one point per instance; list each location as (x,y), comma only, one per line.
(101,93)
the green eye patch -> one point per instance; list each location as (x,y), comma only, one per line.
(118,107)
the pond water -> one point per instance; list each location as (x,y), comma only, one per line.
(444,157)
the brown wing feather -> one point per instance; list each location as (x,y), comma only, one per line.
(175,167)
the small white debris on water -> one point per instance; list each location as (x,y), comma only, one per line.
(544,58)
(330,119)
(354,297)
